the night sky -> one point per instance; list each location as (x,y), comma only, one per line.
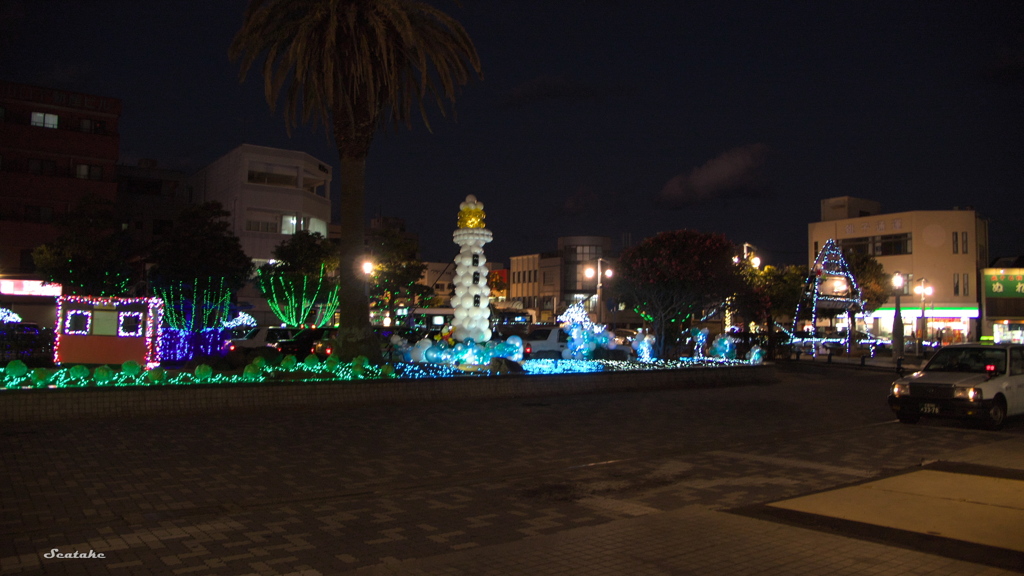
(611,118)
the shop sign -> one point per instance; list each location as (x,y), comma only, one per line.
(1004,283)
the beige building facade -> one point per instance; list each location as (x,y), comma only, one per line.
(939,251)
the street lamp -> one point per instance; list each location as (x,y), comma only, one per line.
(897,321)
(367,270)
(924,290)
(607,273)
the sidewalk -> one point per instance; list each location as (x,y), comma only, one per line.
(883,363)
(703,541)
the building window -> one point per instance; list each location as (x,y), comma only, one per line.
(885,245)
(87,172)
(956,282)
(956,242)
(41,214)
(44,120)
(893,244)
(42,167)
(963,242)
(273,174)
(260,226)
(967,285)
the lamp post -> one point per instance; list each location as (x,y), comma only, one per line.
(607,273)
(897,321)
(924,290)
(367,268)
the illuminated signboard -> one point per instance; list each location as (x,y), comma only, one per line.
(29,288)
(1003,282)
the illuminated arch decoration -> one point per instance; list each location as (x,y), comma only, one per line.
(299,299)
(830,285)
(102,330)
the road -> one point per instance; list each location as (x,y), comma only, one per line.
(327,491)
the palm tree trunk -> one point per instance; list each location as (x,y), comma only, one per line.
(354,307)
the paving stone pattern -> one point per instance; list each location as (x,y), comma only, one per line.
(504,484)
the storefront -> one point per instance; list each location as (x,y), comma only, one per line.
(939,324)
(1003,304)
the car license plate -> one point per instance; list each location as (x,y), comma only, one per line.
(929,408)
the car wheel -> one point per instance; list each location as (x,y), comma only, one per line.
(909,418)
(997,414)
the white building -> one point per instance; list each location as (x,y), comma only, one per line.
(939,250)
(270,193)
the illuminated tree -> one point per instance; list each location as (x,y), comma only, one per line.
(355,65)
(672,275)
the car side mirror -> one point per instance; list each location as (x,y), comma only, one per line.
(990,369)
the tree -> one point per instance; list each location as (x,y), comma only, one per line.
(670,276)
(298,284)
(874,283)
(93,253)
(769,294)
(306,253)
(355,65)
(198,265)
(396,272)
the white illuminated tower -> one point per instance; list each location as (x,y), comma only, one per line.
(472,295)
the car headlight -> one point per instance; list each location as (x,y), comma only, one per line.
(900,389)
(967,393)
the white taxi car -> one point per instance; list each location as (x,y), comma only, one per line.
(970,381)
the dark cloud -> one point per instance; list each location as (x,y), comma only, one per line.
(736,172)
(582,200)
(551,88)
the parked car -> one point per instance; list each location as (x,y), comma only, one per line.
(547,342)
(261,337)
(967,381)
(624,336)
(26,341)
(304,342)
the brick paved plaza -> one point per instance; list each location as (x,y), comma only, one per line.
(659,482)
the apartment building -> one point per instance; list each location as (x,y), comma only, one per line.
(271,193)
(56,148)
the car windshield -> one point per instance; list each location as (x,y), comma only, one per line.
(967,360)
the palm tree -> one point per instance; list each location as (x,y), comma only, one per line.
(357,66)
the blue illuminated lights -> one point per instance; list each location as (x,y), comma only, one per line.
(8,316)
